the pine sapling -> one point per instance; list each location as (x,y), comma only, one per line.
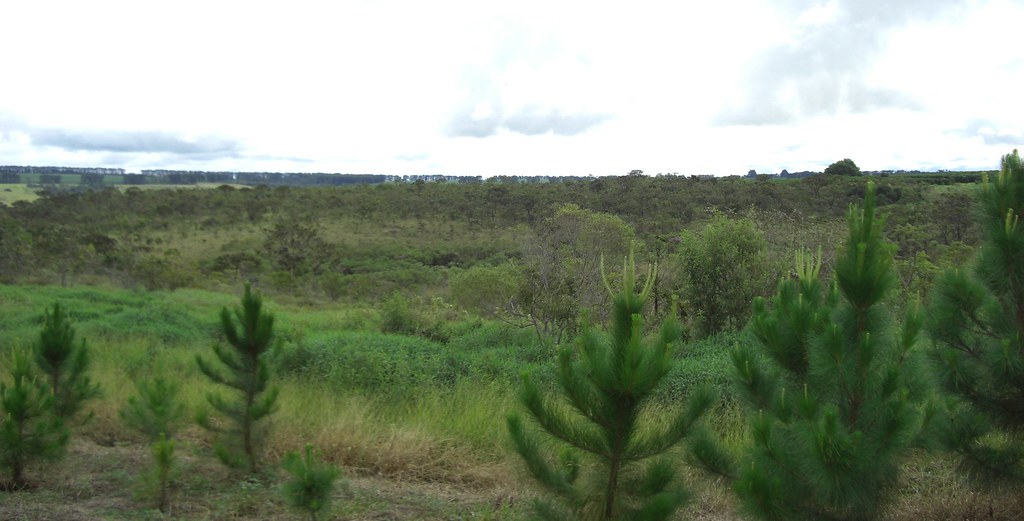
(155,410)
(28,428)
(311,487)
(245,369)
(165,470)
(976,319)
(157,414)
(833,391)
(64,363)
(602,420)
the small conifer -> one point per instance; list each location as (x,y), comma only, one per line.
(600,420)
(976,319)
(832,390)
(155,410)
(28,428)
(244,367)
(311,486)
(157,414)
(64,363)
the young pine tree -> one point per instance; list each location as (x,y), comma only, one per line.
(28,428)
(64,363)
(311,486)
(244,368)
(976,319)
(831,390)
(156,413)
(604,394)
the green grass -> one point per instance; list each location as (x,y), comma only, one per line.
(12,193)
(417,424)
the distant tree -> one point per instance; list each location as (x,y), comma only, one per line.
(64,363)
(61,248)
(561,273)
(49,179)
(92,179)
(245,369)
(295,244)
(976,318)
(28,428)
(832,390)
(606,395)
(843,167)
(134,179)
(15,247)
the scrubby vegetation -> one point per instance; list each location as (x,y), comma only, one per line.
(406,313)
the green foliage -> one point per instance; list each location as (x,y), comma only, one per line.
(246,370)
(15,247)
(601,414)
(976,319)
(295,244)
(157,482)
(157,414)
(832,394)
(28,428)
(156,410)
(486,290)
(724,266)
(400,366)
(64,363)
(843,167)
(561,276)
(311,486)
(418,317)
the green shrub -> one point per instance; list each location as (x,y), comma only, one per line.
(486,290)
(416,317)
(724,266)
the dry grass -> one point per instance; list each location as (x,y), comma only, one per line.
(98,482)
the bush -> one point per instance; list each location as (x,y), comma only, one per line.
(416,317)
(486,290)
(724,266)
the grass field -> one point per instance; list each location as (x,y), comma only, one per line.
(417,425)
(10,194)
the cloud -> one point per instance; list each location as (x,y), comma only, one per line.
(529,121)
(469,124)
(821,71)
(533,121)
(146,141)
(991,133)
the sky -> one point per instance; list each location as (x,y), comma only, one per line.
(511,88)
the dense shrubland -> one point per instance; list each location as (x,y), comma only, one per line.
(521,252)
(406,314)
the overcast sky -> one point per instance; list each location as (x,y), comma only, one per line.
(527,88)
